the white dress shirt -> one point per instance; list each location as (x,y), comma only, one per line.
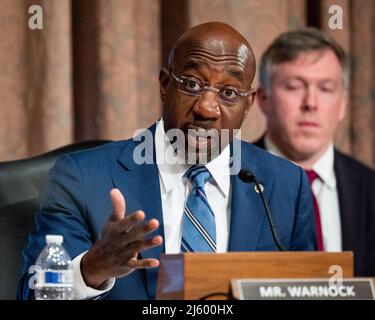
(174,190)
(325,191)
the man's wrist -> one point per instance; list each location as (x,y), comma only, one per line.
(81,290)
(90,274)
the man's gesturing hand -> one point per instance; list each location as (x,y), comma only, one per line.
(115,254)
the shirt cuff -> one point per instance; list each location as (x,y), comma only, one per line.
(81,290)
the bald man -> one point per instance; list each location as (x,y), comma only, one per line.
(175,187)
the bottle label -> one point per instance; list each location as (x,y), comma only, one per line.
(53,278)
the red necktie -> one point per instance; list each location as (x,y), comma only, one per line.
(312,175)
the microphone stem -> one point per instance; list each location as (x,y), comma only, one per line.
(272,226)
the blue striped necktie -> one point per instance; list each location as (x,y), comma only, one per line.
(198,222)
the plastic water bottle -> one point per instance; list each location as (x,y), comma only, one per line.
(54,267)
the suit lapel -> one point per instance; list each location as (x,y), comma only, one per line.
(248,215)
(140,187)
(350,194)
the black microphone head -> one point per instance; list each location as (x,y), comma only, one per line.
(246,175)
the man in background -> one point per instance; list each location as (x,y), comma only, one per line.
(303,93)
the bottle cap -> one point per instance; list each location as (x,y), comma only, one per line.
(51,238)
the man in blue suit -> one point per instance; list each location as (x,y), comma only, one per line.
(206,89)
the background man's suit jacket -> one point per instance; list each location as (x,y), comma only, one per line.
(356,192)
(77,205)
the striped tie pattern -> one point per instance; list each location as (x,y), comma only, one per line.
(198,222)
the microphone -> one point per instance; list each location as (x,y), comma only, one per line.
(247,176)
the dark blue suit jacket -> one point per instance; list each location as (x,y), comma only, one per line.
(77,204)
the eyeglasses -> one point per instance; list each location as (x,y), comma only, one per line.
(226,94)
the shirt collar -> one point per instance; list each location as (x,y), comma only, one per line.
(220,172)
(323,167)
(171,173)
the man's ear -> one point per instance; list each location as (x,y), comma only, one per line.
(262,100)
(250,102)
(164,77)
